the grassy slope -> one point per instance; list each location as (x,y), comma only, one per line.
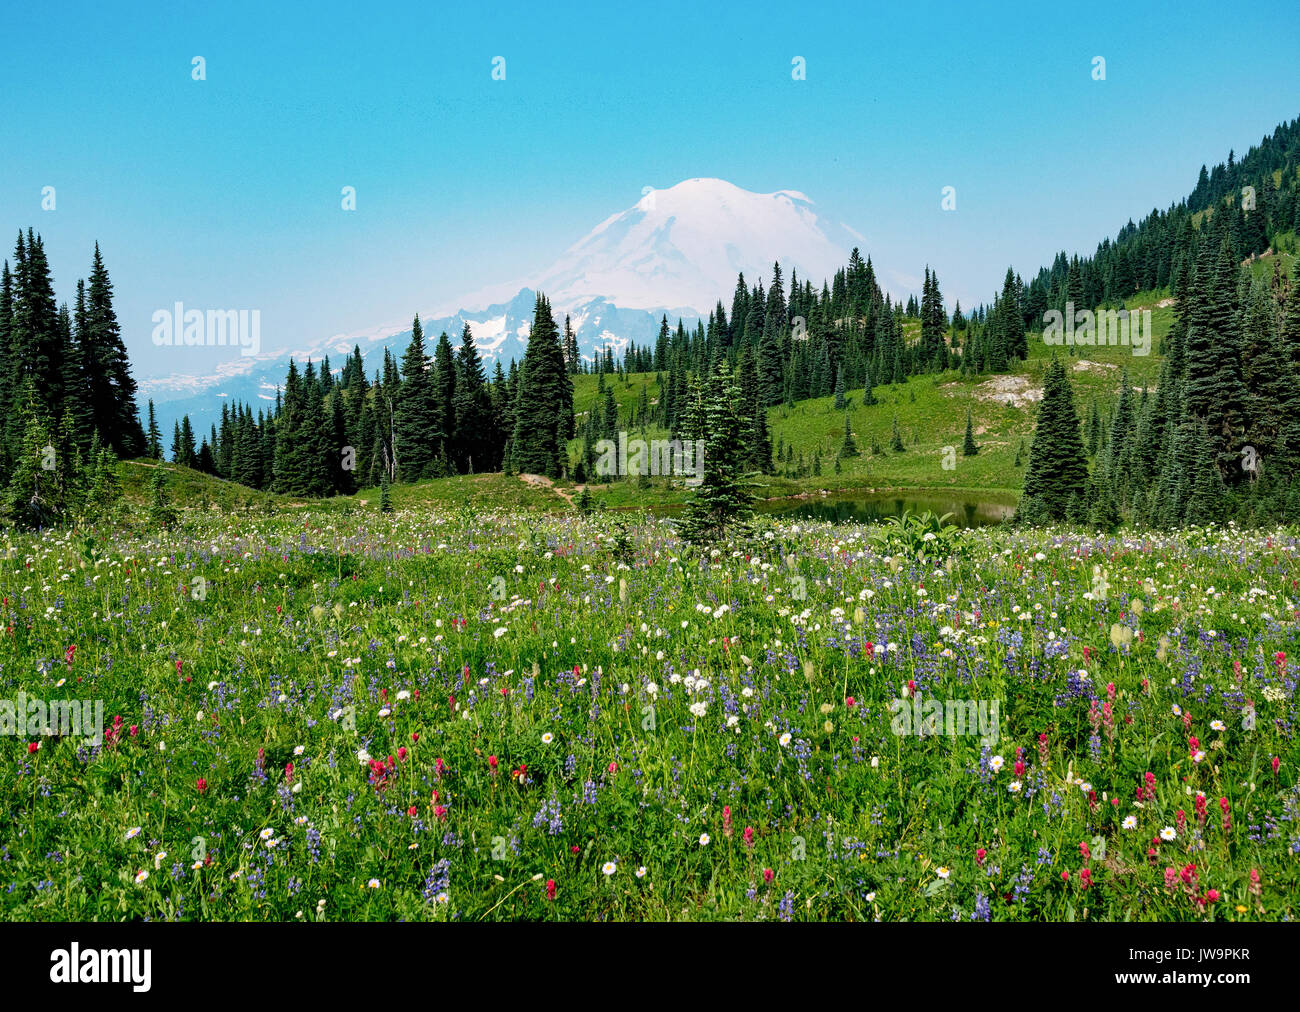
(931,414)
(193,489)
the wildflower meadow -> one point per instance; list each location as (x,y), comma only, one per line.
(450,715)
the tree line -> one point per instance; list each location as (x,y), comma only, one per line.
(67,396)
(430,414)
(1218,438)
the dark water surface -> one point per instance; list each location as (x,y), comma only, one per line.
(968,510)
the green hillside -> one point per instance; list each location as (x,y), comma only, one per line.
(931,412)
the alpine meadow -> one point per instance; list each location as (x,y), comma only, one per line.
(722,570)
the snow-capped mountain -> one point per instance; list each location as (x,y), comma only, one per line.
(679,250)
(676,252)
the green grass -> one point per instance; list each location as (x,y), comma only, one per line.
(194,490)
(472,491)
(931,414)
(558,649)
(1262,267)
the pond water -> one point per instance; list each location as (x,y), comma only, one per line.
(966,510)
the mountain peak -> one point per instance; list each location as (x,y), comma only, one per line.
(678,250)
(708,187)
(681,248)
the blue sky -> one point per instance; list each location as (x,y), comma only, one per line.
(226,192)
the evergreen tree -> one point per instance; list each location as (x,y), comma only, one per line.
(771,380)
(572,360)
(9,363)
(104,485)
(291,466)
(1104,513)
(848,448)
(417,419)
(161,511)
(444,397)
(1205,493)
(38,344)
(154,448)
(316,460)
(108,382)
(1122,433)
(78,378)
(187,449)
(1215,392)
(1093,429)
(968,447)
(896,440)
(473,435)
(542,412)
(1056,479)
(721,501)
(35,496)
(342,480)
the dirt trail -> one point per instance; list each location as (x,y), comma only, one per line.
(545,482)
